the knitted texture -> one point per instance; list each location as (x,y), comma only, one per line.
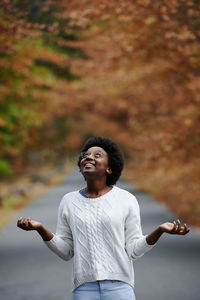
(103,235)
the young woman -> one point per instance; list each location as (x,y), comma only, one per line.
(99,226)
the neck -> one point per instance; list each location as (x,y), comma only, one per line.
(96,188)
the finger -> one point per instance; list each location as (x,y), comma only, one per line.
(179,225)
(30,223)
(174,228)
(22,222)
(181,231)
(18,221)
(186,229)
(26,222)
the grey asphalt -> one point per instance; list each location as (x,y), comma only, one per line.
(29,270)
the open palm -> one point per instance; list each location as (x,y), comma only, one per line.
(28,224)
(175,228)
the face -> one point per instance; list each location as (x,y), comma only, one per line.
(95,162)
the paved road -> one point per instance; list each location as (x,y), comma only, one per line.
(29,270)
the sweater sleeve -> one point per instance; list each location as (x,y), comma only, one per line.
(62,241)
(136,244)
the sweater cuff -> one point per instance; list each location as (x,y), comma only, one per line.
(143,246)
(51,244)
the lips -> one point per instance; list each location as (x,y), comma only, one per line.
(88,164)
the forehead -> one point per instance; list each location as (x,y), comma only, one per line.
(95,149)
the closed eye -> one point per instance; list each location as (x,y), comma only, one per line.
(84,155)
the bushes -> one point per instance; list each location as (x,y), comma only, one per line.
(5,168)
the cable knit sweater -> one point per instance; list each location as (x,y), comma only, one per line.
(103,235)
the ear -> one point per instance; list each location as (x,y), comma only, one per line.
(109,170)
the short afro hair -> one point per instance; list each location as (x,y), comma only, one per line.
(115,156)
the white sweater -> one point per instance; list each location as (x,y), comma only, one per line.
(103,235)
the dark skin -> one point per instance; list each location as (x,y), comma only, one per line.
(94,167)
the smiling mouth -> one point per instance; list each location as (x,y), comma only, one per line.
(88,164)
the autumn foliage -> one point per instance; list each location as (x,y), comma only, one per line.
(124,69)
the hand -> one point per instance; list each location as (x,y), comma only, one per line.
(174,228)
(28,224)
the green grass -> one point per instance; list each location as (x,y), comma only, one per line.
(12,202)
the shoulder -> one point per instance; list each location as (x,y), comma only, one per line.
(68,198)
(70,195)
(126,196)
(124,193)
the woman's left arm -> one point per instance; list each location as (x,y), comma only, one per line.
(170,228)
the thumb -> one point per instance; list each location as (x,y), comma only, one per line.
(30,222)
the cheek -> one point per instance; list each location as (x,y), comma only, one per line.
(81,168)
(81,162)
(105,164)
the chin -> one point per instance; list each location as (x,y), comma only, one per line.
(87,172)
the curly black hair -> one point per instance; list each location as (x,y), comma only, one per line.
(115,157)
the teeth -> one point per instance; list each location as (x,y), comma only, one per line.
(88,164)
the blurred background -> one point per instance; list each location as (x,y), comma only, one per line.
(128,70)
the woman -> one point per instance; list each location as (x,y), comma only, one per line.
(100,227)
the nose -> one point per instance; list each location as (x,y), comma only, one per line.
(89,157)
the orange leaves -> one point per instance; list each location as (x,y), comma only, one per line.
(193,85)
(183,35)
(13,26)
(73,141)
(151,20)
(2,122)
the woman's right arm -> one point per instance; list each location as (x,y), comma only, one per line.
(28,224)
(61,243)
